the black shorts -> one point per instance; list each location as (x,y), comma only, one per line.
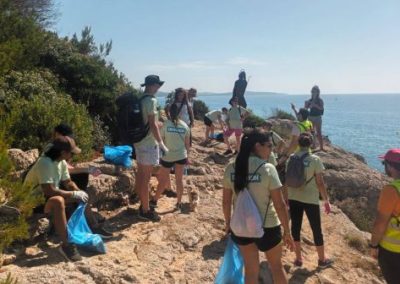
(207,121)
(271,238)
(169,165)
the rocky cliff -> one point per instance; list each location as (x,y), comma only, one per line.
(188,247)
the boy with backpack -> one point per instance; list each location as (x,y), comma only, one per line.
(138,124)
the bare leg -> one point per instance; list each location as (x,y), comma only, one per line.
(321,252)
(179,181)
(319,135)
(238,138)
(226,140)
(297,249)
(274,257)
(143,176)
(251,263)
(56,206)
(163,178)
(212,130)
(207,133)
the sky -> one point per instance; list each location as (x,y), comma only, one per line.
(286,46)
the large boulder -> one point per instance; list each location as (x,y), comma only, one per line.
(23,159)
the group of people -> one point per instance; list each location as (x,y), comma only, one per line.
(260,154)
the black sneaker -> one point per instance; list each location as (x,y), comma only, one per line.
(150,215)
(70,252)
(104,234)
(153,203)
(169,193)
(227,152)
(178,207)
(325,263)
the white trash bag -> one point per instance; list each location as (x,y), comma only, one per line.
(246,220)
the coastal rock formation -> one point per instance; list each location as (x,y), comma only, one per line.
(22,159)
(188,247)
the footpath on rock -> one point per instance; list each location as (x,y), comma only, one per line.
(188,247)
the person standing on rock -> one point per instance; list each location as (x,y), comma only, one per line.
(240,88)
(316,106)
(385,238)
(236,115)
(306,199)
(45,178)
(176,134)
(147,150)
(264,187)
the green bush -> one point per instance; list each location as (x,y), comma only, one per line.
(281,114)
(253,121)
(9,280)
(199,109)
(101,135)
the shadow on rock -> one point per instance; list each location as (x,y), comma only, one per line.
(123,220)
(214,250)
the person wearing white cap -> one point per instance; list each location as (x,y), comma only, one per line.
(385,238)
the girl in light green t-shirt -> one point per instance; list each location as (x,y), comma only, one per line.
(251,171)
(176,135)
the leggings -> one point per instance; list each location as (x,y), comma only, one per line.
(390,265)
(297,209)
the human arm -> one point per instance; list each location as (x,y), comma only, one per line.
(191,114)
(227,207)
(187,145)
(153,124)
(294,109)
(322,190)
(319,105)
(387,202)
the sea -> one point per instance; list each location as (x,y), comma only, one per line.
(368,124)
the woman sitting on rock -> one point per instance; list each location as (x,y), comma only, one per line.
(176,135)
(263,186)
(306,199)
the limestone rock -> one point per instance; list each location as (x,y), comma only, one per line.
(22,160)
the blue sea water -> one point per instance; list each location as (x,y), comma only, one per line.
(363,124)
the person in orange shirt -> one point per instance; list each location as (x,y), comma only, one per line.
(385,239)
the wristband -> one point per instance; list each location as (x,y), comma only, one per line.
(373,247)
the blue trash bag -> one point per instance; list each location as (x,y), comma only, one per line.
(231,269)
(80,234)
(118,155)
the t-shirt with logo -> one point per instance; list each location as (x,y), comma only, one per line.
(149,107)
(308,193)
(264,181)
(46,171)
(174,138)
(234,117)
(214,115)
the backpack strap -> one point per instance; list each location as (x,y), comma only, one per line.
(263,163)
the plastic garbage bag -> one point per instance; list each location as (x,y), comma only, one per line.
(80,234)
(231,269)
(118,155)
(246,219)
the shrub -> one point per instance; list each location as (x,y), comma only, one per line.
(281,114)
(356,242)
(16,200)
(9,280)
(199,109)
(253,121)
(101,135)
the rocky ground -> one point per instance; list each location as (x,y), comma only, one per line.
(188,247)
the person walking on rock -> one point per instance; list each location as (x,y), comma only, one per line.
(147,150)
(176,134)
(236,115)
(385,238)
(306,199)
(316,106)
(251,171)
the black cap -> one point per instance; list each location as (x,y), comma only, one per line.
(151,80)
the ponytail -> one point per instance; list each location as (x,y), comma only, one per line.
(174,114)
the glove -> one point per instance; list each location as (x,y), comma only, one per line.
(327,207)
(80,195)
(163,148)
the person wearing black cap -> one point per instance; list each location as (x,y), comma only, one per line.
(45,178)
(385,237)
(147,150)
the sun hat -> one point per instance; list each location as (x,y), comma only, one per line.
(67,144)
(393,155)
(152,80)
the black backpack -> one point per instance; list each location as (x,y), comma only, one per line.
(295,171)
(131,126)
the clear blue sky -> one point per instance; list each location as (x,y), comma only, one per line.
(345,46)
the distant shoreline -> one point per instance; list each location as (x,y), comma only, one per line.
(252,93)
